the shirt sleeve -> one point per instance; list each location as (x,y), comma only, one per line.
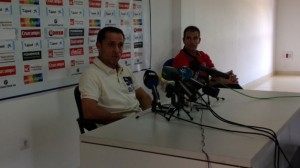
(89,86)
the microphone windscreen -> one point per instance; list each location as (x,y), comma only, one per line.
(150,79)
(170,73)
(185,72)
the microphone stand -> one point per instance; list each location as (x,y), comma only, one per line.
(178,95)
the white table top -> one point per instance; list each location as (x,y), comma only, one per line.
(153,133)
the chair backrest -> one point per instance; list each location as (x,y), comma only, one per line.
(82,123)
(169,62)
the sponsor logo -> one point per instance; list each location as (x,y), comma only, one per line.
(56,43)
(124,5)
(109,13)
(32,55)
(138,54)
(93,50)
(60,64)
(138,14)
(110,22)
(95,3)
(76,32)
(92,40)
(31,33)
(54,11)
(7,84)
(54,2)
(138,37)
(138,45)
(7,57)
(126,55)
(94,23)
(5,9)
(35,78)
(30,10)
(30,68)
(30,22)
(31,45)
(136,6)
(55,33)
(7,46)
(6,23)
(93,31)
(56,53)
(55,22)
(137,29)
(76,2)
(5,0)
(76,12)
(137,22)
(33,2)
(76,51)
(110,5)
(124,14)
(96,13)
(76,22)
(76,41)
(138,62)
(76,62)
(7,70)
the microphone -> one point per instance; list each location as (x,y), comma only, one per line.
(186,72)
(151,81)
(171,73)
(196,66)
(195,85)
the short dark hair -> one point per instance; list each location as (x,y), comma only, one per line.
(102,33)
(191,29)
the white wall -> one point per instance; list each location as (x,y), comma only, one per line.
(236,33)
(287,36)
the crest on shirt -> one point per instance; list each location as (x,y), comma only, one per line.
(129,83)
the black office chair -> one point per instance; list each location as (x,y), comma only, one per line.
(83,124)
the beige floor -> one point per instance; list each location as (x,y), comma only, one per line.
(280,83)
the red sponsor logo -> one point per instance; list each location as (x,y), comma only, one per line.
(7,71)
(26,68)
(31,33)
(73,63)
(72,21)
(76,41)
(95,3)
(138,29)
(76,51)
(54,2)
(56,64)
(5,0)
(126,55)
(92,59)
(124,5)
(50,53)
(56,33)
(71,2)
(93,31)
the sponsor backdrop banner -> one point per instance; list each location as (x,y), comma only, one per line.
(47,44)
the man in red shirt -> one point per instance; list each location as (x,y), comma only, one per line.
(189,55)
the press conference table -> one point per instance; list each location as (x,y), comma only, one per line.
(152,141)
